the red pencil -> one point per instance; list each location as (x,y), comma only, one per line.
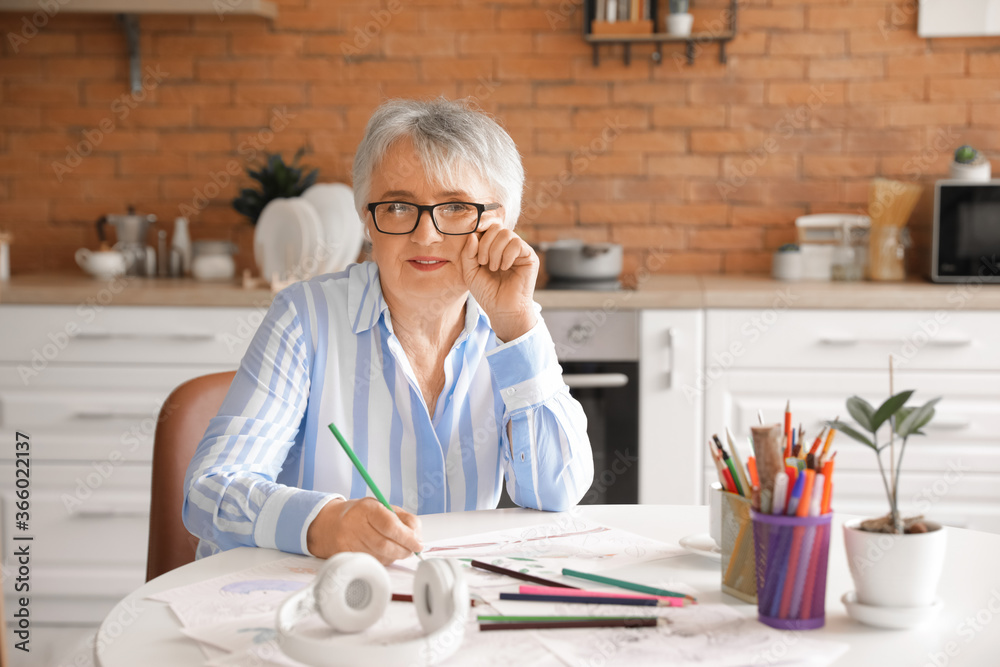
(788,429)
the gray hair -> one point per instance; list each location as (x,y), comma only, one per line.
(448,136)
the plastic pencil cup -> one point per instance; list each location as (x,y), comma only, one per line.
(738,556)
(791,560)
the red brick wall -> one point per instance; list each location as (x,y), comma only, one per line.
(817,98)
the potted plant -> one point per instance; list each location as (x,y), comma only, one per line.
(895,562)
(970,165)
(679,20)
(277,179)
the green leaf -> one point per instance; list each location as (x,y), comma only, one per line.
(917,419)
(849,431)
(862,412)
(889,408)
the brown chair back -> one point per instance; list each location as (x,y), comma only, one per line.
(182,423)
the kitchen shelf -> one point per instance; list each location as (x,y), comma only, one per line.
(128,12)
(659,38)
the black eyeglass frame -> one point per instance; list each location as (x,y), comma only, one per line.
(480,209)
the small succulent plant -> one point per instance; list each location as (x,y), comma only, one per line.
(277,179)
(968,155)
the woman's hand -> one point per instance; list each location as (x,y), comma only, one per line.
(500,271)
(363,525)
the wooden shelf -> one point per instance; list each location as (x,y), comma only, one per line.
(264,8)
(660,38)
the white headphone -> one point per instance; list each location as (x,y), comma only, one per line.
(351,591)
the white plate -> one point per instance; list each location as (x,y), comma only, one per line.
(343,230)
(896,618)
(287,231)
(701,544)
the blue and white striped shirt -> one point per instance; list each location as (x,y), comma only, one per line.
(326,352)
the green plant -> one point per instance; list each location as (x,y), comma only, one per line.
(277,179)
(903,422)
(968,155)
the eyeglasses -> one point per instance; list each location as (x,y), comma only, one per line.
(453,218)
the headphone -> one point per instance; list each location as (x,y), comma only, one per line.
(351,591)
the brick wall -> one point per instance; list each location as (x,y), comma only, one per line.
(710,163)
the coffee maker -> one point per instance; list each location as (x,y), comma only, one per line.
(130,232)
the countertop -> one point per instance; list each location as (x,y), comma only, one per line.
(654,291)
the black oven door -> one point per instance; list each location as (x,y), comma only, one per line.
(966,232)
(609,394)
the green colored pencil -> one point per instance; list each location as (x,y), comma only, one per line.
(364,473)
(628,585)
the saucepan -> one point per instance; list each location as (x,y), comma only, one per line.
(573,259)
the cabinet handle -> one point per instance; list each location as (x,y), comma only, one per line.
(671,344)
(107,416)
(194,337)
(107,512)
(595,380)
(846,341)
(949,424)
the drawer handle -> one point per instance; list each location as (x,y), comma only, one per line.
(99,512)
(845,341)
(107,416)
(179,337)
(949,424)
(595,380)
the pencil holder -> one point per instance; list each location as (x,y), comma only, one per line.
(791,562)
(739,577)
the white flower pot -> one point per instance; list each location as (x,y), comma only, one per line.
(895,570)
(680,24)
(971,172)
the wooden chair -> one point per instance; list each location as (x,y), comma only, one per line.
(182,423)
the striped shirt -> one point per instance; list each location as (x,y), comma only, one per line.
(326,352)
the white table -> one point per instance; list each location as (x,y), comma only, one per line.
(144,632)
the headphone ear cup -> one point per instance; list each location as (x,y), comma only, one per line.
(438,588)
(352,591)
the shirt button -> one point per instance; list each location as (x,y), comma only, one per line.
(510,392)
(522,456)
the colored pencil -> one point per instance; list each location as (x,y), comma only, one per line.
(628,585)
(549,590)
(364,473)
(788,429)
(529,619)
(406,597)
(520,575)
(582,599)
(596,623)
(829,438)
(738,461)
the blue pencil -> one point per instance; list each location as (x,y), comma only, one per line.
(527,597)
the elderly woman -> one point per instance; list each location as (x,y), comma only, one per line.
(432,360)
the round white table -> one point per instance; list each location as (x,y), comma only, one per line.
(144,632)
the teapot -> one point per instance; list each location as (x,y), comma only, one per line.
(130,231)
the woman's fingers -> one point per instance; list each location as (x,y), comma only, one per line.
(486,242)
(392,528)
(511,253)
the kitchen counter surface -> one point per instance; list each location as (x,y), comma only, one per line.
(751,291)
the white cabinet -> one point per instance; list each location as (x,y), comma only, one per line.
(817,359)
(87,385)
(670,410)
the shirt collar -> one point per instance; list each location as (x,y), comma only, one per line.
(365,303)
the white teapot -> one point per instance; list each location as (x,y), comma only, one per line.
(101,263)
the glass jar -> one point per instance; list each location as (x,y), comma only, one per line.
(887,252)
(213,260)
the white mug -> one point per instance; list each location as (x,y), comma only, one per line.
(101,263)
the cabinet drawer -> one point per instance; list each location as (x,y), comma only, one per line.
(42,335)
(82,517)
(839,339)
(88,412)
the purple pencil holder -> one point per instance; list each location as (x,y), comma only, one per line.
(791,555)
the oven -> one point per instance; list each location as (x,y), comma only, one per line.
(966,242)
(599,355)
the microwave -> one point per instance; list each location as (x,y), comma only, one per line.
(966,242)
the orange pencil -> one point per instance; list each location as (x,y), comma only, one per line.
(803,508)
(817,441)
(788,429)
(829,438)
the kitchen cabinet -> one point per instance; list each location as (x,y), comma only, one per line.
(818,358)
(86,385)
(670,353)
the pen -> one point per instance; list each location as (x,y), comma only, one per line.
(816,502)
(730,465)
(364,473)
(795,496)
(805,498)
(780,493)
